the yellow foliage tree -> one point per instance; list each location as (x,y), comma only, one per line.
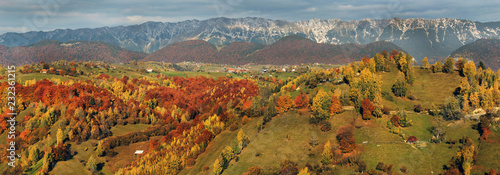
(470,70)
(425,63)
(219,165)
(304,171)
(321,105)
(213,124)
(327,155)
(60,136)
(466,106)
(348,74)
(242,139)
(474,100)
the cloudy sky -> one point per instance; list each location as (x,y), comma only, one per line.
(36,15)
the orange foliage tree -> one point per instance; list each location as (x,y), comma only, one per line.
(283,104)
(336,107)
(367,109)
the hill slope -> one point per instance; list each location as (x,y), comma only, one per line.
(50,50)
(296,50)
(486,50)
(194,50)
(292,49)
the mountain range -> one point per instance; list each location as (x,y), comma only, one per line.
(434,38)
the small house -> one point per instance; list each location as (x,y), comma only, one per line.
(412,139)
(43,71)
(230,70)
(138,152)
(264,70)
(149,70)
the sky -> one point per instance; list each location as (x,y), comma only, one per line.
(46,15)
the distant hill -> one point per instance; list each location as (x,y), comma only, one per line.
(292,49)
(486,50)
(235,52)
(297,49)
(50,50)
(193,50)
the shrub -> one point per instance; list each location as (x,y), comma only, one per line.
(404,169)
(411,96)
(288,167)
(361,166)
(325,126)
(418,108)
(245,120)
(253,171)
(395,120)
(386,110)
(233,127)
(387,96)
(205,169)
(381,166)
(190,162)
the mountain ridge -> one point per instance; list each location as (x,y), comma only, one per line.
(434,38)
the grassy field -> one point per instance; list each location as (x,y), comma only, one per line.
(267,149)
(489,154)
(125,155)
(216,146)
(124,129)
(429,88)
(76,165)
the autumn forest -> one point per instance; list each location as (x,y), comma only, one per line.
(383,113)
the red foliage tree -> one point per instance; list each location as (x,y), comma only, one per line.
(484,128)
(288,167)
(345,137)
(204,137)
(395,120)
(302,101)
